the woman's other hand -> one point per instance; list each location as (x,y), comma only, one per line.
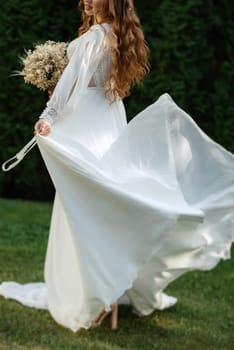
(42,127)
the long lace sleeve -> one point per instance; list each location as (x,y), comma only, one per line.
(78,73)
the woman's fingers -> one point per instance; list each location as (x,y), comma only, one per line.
(44,132)
(42,127)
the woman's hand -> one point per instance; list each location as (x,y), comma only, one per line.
(42,127)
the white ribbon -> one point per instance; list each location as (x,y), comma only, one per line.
(8,165)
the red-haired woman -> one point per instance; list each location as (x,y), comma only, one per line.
(136,205)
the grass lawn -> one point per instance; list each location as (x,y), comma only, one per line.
(203,318)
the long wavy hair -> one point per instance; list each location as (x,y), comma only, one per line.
(130,53)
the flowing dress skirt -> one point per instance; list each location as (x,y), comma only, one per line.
(136,206)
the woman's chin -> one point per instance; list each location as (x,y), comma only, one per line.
(89,12)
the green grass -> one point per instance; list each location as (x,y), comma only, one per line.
(203,318)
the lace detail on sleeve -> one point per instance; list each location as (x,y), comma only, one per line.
(49,114)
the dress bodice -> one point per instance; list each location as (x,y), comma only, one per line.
(89,66)
(102,72)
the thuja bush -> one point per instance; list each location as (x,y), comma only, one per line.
(23,24)
(192,58)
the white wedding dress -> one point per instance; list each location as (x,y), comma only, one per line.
(136,205)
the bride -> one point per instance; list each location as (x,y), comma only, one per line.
(136,205)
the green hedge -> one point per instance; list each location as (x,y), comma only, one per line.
(25,23)
(192,58)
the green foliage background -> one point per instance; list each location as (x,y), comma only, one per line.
(192,58)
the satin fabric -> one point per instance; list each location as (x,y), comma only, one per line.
(136,205)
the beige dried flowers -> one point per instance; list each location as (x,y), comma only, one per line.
(44,65)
